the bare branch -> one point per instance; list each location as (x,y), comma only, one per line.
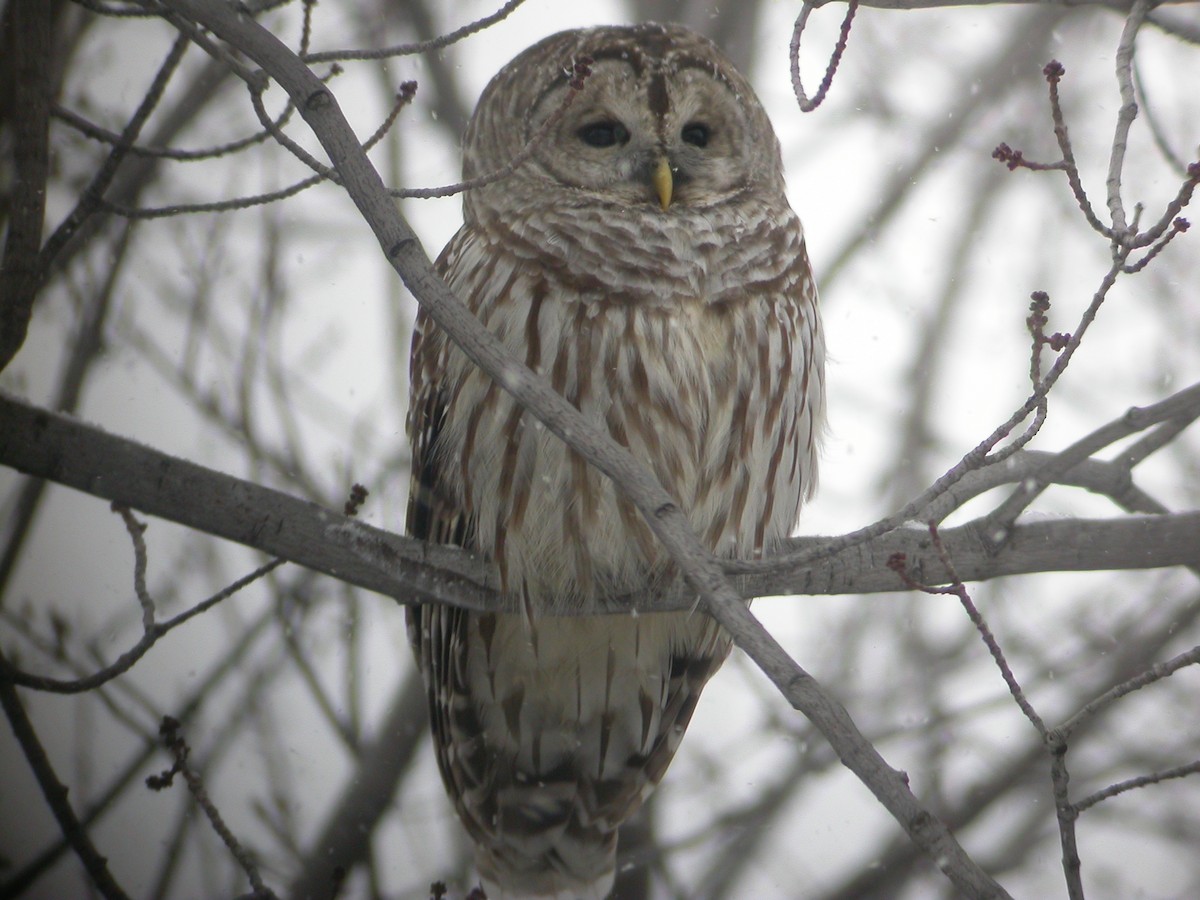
(69,452)
(809,104)
(1177,412)
(273,128)
(1118,5)
(149,638)
(1148,677)
(1067,814)
(27,40)
(236,661)
(93,194)
(170,731)
(54,790)
(436,43)
(899,565)
(1192,768)
(1125,116)
(1054,72)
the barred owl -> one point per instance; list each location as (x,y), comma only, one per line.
(645,260)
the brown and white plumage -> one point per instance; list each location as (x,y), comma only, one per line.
(684,320)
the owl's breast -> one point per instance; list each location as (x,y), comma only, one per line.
(715,393)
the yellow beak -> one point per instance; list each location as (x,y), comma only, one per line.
(664,182)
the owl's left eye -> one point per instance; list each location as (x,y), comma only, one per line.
(604,133)
(696,134)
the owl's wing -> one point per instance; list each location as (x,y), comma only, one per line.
(435,632)
(433,515)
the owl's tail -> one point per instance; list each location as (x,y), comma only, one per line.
(581,869)
(554,733)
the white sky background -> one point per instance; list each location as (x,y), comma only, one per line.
(902,72)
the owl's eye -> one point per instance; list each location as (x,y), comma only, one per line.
(696,134)
(604,134)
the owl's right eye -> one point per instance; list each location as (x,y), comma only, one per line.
(604,133)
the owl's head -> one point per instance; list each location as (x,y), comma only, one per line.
(664,122)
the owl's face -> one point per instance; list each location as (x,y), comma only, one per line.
(640,135)
(663,123)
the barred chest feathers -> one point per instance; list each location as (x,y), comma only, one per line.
(700,370)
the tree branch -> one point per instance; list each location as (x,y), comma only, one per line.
(64,450)
(28,44)
(55,791)
(1117,5)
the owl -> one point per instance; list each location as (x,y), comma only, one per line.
(644,259)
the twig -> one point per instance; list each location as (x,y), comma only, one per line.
(1176,413)
(1055,741)
(137,531)
(256,100)
(1039,305)
(173,740)
(1178,227)
(90,129)
(306,26)
(806,104)
(403,97)
(899,564)
(580,70)
(90,201)
(1121,787)
(1173,208)
(151,630)
(1067,814)
(436,43)
(1125,116)
(1053,72)
(1015,159)
(1148,677)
